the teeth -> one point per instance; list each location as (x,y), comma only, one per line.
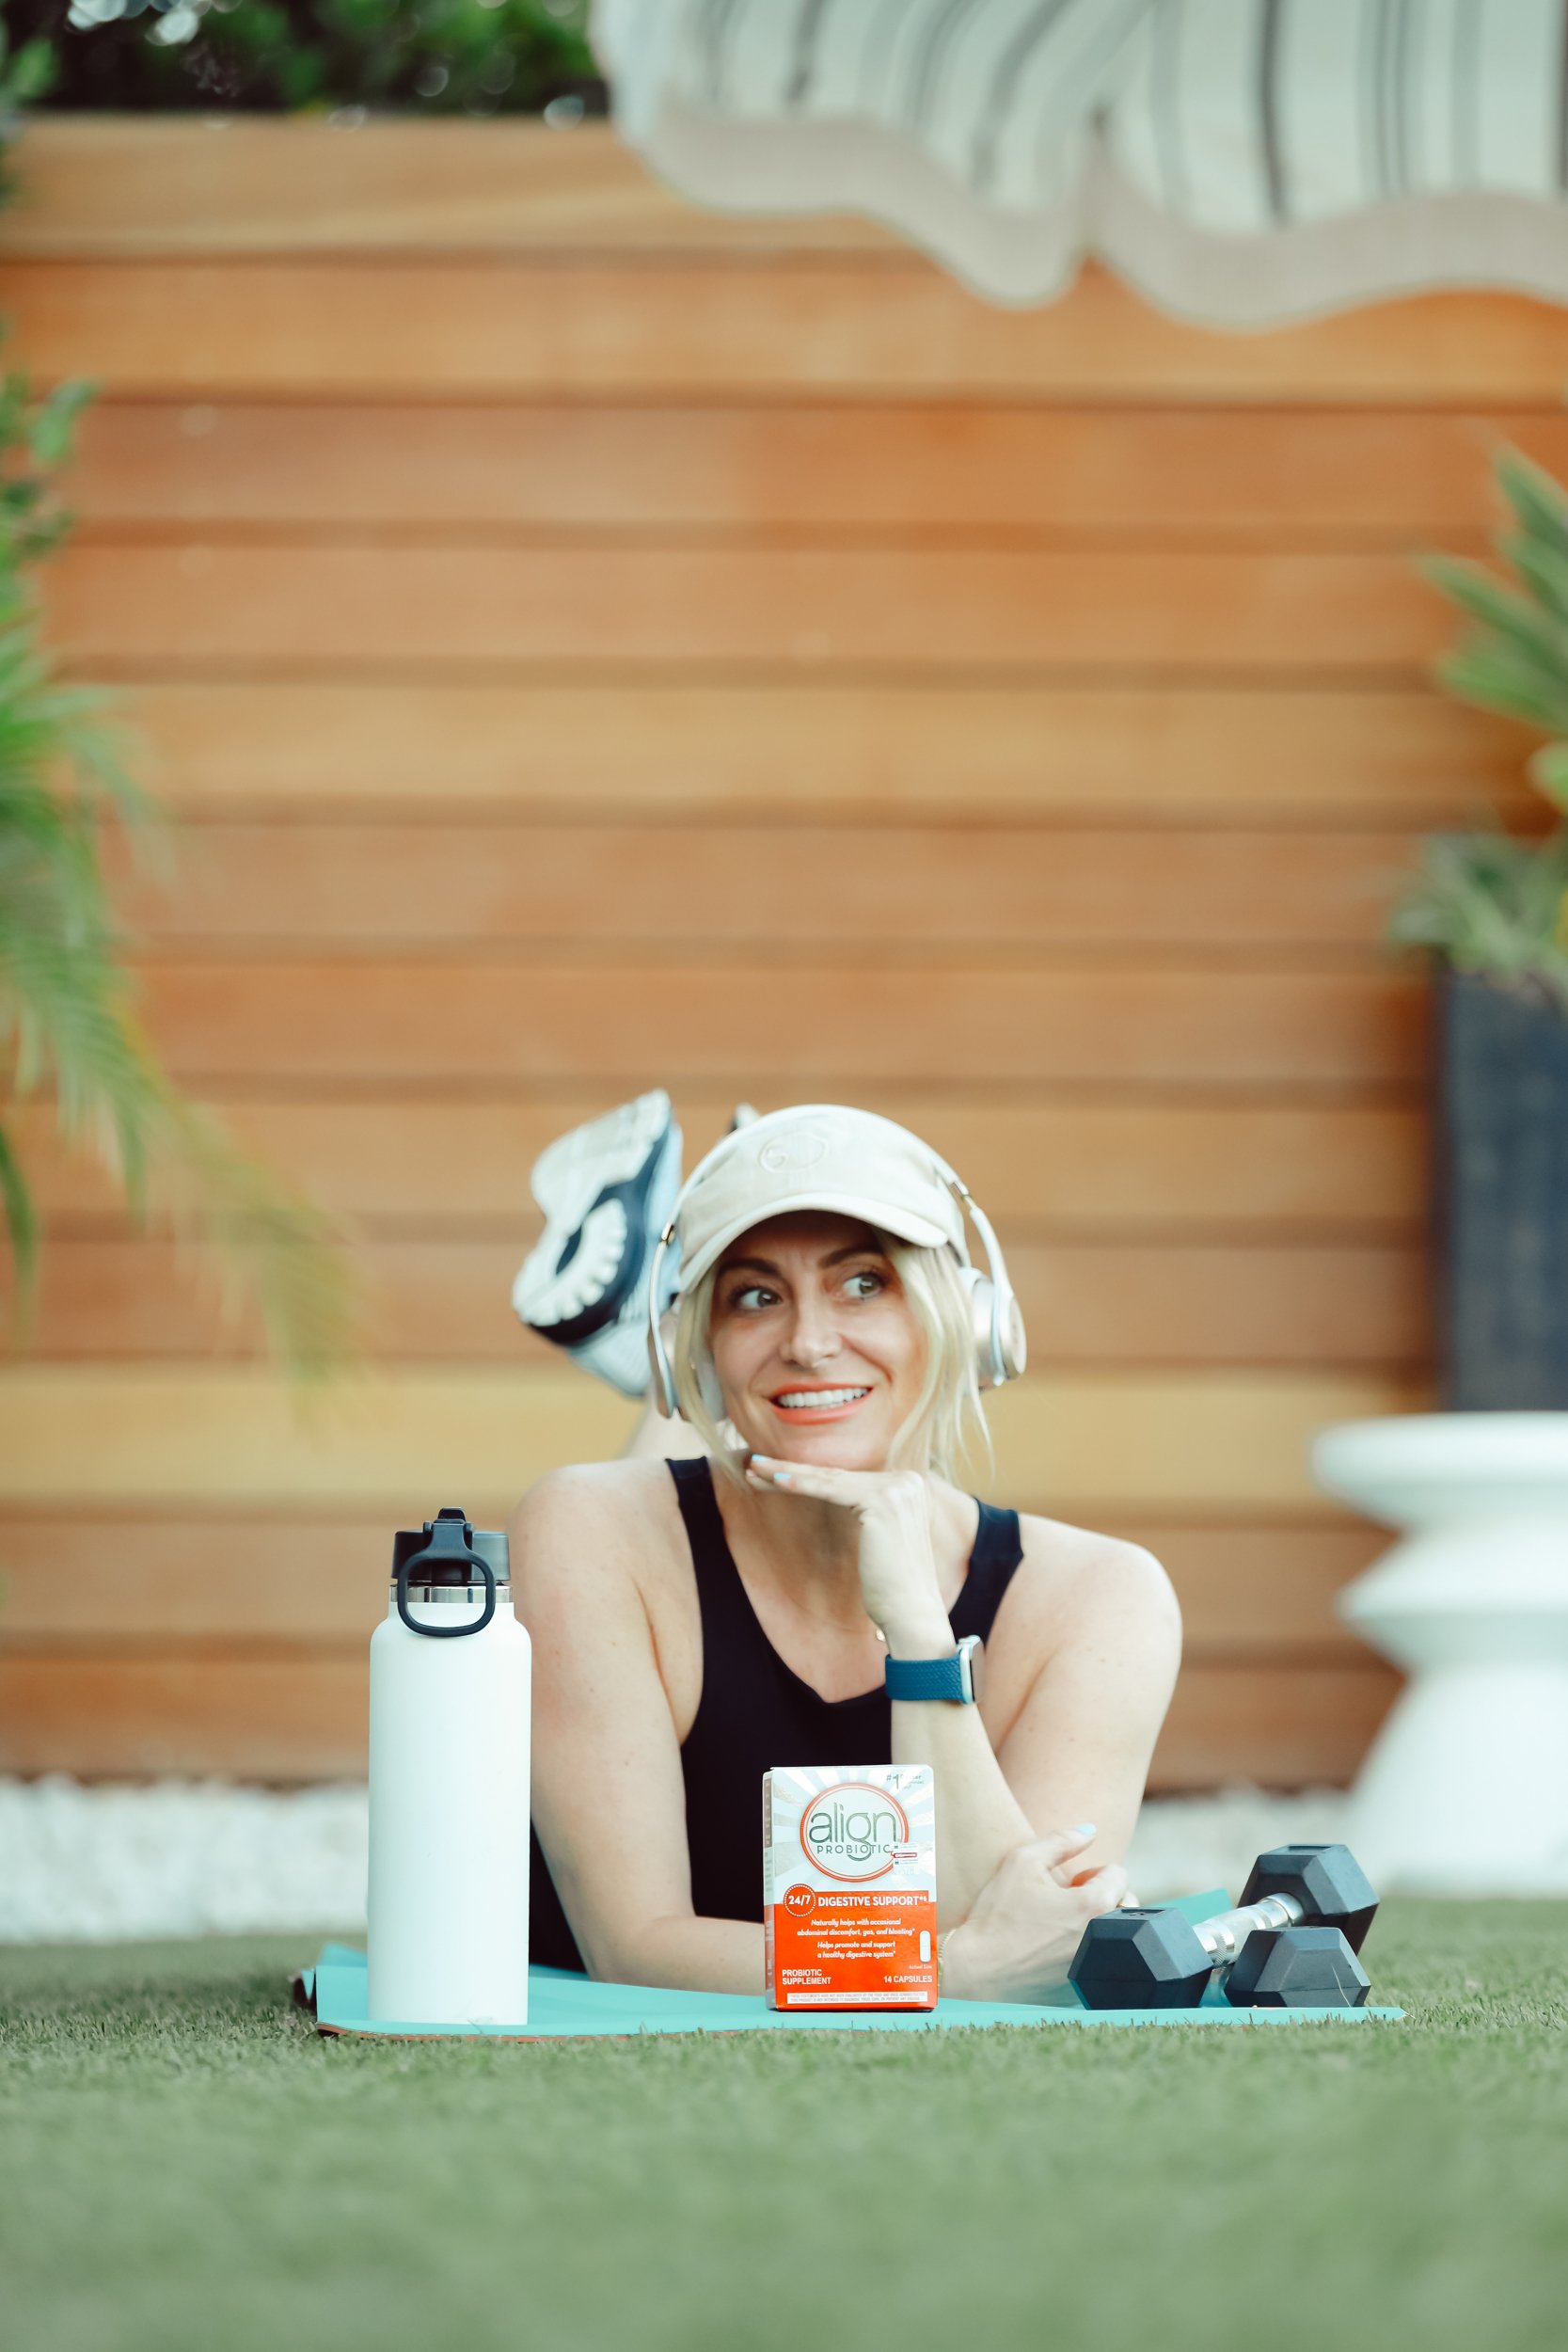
(797,1398)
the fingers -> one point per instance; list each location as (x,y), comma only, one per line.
(851,1487)
(1059,1846)
(1103,1890)
(797,1478)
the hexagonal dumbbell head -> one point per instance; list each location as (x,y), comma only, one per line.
(1140,1960)
(1296,1968)
(1327,1881)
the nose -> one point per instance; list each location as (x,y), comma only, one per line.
(812,1338)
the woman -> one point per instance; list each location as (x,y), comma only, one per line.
(699,1618)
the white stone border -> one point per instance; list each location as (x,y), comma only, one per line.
(104,1863)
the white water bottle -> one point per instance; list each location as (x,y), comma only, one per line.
(450,1693)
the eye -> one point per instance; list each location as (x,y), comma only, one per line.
(866,1283)
(752,1295)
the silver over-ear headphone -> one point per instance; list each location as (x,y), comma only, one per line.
(996,1320)
(1001,1348)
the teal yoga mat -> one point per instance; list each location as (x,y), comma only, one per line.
(561,2004)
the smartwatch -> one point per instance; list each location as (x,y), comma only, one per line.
(956,1678)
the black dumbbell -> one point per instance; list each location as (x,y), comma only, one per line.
(1292,1941)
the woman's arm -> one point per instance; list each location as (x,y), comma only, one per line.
(1081,1681)
(1090,1669)
(1080,1745)
(608,1799)
(979,1819)
(1076,1750)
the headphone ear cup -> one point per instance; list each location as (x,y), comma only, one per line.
(1014,1343)
(1014,1349)
(979,1284)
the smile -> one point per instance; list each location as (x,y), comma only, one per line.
(817,1403)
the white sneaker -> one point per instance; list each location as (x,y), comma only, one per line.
(607,1189)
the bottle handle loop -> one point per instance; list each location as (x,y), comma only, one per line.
(449,1545)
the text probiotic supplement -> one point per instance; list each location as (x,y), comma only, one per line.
(850,1886)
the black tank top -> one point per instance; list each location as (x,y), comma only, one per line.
(755,1712)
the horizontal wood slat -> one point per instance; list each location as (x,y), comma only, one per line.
(320,467)
(1083,1303)
(1246,1592)
(299,1717)
(781,1030)
(320,885)
(1166,1166)
(1229,1444)
(303,1718)
(817,752)
(133,185)
(1283,1727)
(856,329)
(1251,1593)
(317,608)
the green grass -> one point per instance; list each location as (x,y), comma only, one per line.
(186,2167)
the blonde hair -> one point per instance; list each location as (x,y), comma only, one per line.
(947,1416)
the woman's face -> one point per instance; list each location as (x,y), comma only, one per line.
(818,1356)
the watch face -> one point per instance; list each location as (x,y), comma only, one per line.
(972,1651)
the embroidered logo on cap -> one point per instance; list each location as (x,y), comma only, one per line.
(800,1148)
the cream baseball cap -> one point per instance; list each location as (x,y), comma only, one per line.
(815,1155)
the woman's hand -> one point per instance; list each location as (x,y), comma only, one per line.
(1027,1921)
(898,1558)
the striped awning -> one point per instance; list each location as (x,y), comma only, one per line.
(1240,161)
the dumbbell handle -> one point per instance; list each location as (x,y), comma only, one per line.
(1222,1938)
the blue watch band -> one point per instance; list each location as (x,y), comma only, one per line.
(928,1678)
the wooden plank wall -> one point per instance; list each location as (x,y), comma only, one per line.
(584,644)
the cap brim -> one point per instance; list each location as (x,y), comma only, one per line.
(908,1226)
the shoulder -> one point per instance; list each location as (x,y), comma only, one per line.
(1081,1557)
(594,1519)
(1077,1581)
(597,1490)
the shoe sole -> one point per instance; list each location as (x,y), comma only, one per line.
(598,1186)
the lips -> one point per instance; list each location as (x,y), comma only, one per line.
(805,1405)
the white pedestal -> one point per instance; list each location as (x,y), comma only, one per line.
(1465,1789)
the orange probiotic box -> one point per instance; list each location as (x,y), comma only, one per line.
(850,1886)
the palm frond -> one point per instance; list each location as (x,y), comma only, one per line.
(68,1019)
(270,1243)
(1514,614)
(1538,500)
(1486,902)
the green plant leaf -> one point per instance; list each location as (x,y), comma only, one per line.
(1548,769)
(1514,657)
(1544,570)
(21,1227)
(1539,501)
(32,74)
(1517,617)
(68,1020)
(1490,904)
(53,425)
(1495,678)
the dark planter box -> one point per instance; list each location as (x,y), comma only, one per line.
(1502,1198)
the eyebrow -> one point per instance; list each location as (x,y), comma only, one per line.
(834,1257)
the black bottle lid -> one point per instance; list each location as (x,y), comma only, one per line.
(447,1549)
